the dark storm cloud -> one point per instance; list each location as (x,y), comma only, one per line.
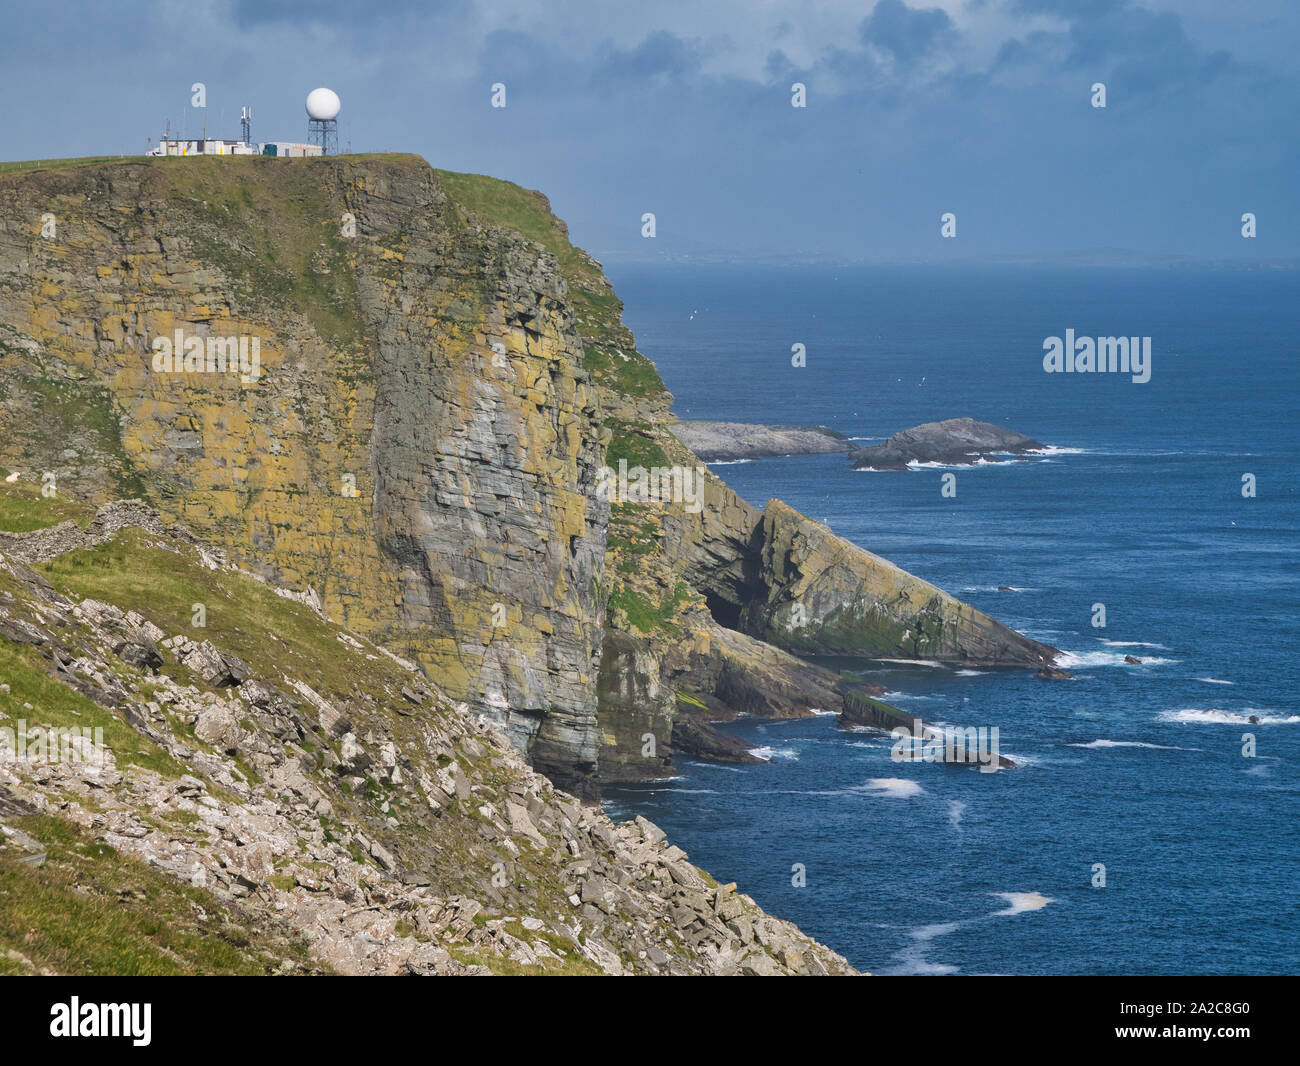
(907,33)
(660,56)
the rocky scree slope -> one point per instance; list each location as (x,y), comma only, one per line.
(313,791)
(421,454)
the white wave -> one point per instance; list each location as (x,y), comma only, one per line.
(1214,681)
(818,712)
(918,464)
(728,462)
(768,754)
(929,932)
(1132,644)
(913,964)
(1215,716)
(914,662)
(1052,449)
(719,766)
(1128,744)
(971,673)
(913,960)
(1083,660)
(1020,902)
(890,787)
(998,588)
(956,809)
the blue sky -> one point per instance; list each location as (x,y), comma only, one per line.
(976,107)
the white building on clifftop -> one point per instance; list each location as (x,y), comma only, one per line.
(322,111)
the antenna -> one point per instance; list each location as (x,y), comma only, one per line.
(246,124)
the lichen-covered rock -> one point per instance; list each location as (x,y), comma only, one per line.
(821,593)
(419,450)
(418,456)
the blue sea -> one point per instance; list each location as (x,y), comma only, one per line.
(915,868)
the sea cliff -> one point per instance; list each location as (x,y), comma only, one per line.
(443,377)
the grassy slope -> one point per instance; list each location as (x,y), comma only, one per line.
(90,911)
(23,508)
(243,616)
(274,635)
(22,166)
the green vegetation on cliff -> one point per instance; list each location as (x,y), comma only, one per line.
(610,351)
(290,252)
(87,910)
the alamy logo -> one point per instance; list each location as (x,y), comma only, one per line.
(1104,355)
(240,355)
(75,1018)
(52,744)
(658,484)
(950,744)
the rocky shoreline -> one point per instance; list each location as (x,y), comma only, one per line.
(730,442)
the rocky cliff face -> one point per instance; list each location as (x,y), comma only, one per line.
(442,377)
(419,449)
(285,795)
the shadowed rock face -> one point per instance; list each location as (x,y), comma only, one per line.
(420,455)
(953,442)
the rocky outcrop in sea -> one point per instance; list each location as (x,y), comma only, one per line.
(952,442)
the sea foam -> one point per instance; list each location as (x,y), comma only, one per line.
(1214,716)
(890,787)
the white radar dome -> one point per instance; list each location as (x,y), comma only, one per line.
(323,104)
